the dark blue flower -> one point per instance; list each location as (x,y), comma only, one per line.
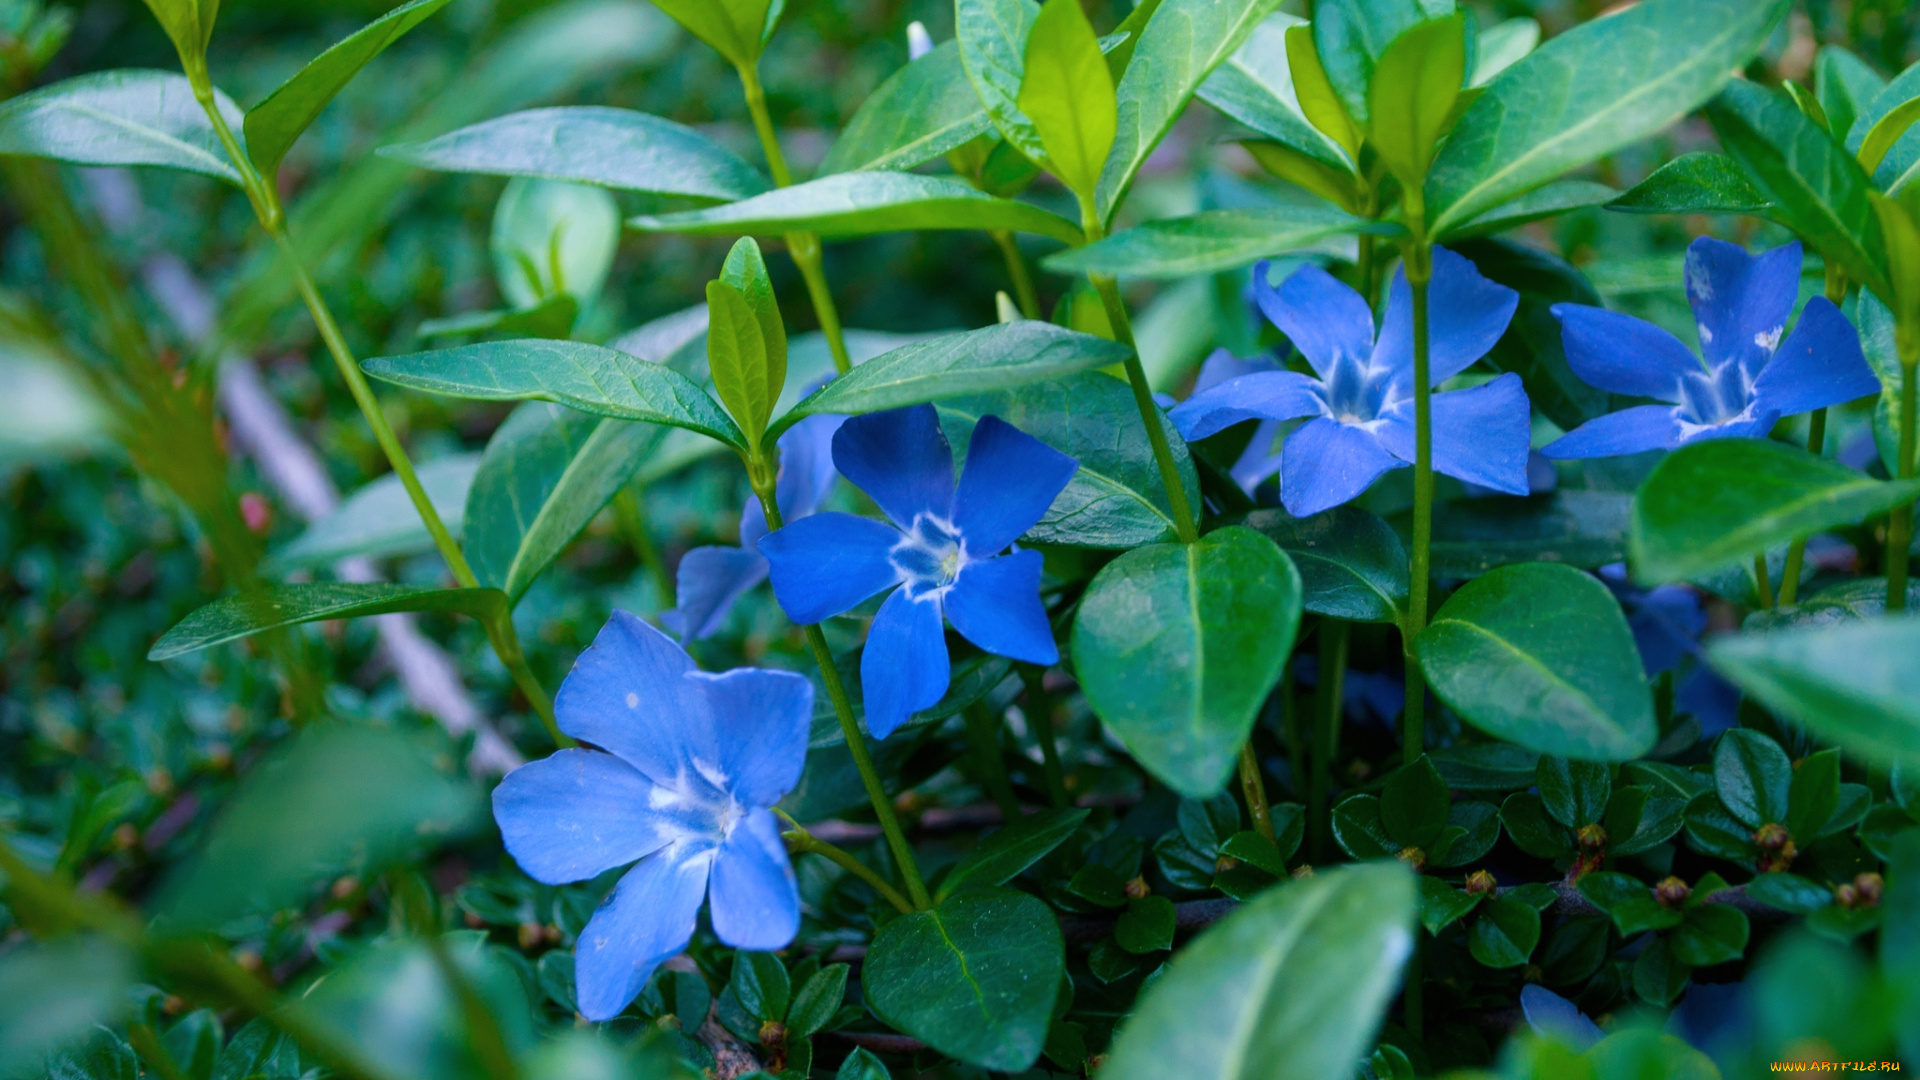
(942,550)
(1750,378)
(1360,397)
(683,768)
(710,580)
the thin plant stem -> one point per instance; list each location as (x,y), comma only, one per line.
(843,709)
(1039,713)
(633,522)
(1335,639)
(983,732)
(803,246)
(146,1043)
(1762,581)
(1797,551)
(506,645)
(1253,788)
(1419,270)
(1018,270)
(1900,521)
(801,842)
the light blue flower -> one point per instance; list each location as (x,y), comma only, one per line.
(1360,397)
(942,551)
(1750,378)
(678,772)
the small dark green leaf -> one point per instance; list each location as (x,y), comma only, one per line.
(131,117)
(1657,977)
(1352,565)
(1441,905)
(1625,812)
(1752,776)
(1414,803)
(1854,683)
(1101,886)
(1532,830)
(1504,933)
(1256,850)
(862,204)
(1697,183)
(286,605)
(1478,823)
(919,113)
(1814,795)
(1629,902)
(1146,926)
(1583,529)
(863,1065)
(1712,830)
(1574,793)
(817,1000)
(1211,241)
(1491,766)
(1711,934)
(760,986)
(1789,892)
(1359,830)
(1003,855)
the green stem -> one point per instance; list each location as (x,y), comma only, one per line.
(1762,581)
(1253,787)
(626,510)
(1900,523)
(801,842)
(983,731)
(1150,413)
(1419,269)
(803,246)
(1329,706)
(1797,552)
(506,645)
(147,1044)
(1018,270)
(1040,716)
(762,475)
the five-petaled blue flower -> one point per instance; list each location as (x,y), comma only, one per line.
(682,769)
(943,550)
(1360,396)
(1750,379)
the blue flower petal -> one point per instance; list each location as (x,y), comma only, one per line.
(1260,459)
(1741,302)
(904,666)
(627,694)
(1223,365)
(1323,318)
(824,564)
(1629,431)
(756,901)
(1466,314)
(647,919)
(901,459)
(575,815)
(760,719)
(1265,395)
(1480,435)
(1623,355)
(709,581)
(806,476)
(1326,463)
(1009,481)
(996,605)
(1550,1014)
(1819,365)
(1749,425)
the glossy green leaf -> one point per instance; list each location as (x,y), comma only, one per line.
(1360,831)
(1411,94)
(1854,683)
(1577,528)
(974,978)
(244,615)
(1628,901)
(1146,926)
(379,521)
(53,992)
(1553,200)
(817,1000)
(864,203)
(590,378)
(1488,766)
(1713,504)
(992,35)
(1885,132)
(919,113)
(1845,85)
(999,357)
(1179,47)
(1414,804)
(1349,37)
(1588,92)
(1352,565)
(1479,825)
(1291,985)
(1504,933)
(1817,188)
(1574,793)
(1004,854)
(128,117)
(1501,46)
(737,360)
(1533,349)
(1814,796)
(1711,934)
(1540,655)
(1696,183)
(1525,816)
(1115,498)
(1067,93)
(1901,161)
(1752,774)
(273,125)
(1177,645)
(1211,241)
(1256,87)
(745,271)
(1442,905)
(588,144)
(332,796)
(862,1064)
(737,29)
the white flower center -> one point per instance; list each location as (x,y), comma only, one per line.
(929,556)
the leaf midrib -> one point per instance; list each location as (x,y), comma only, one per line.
(1530,661)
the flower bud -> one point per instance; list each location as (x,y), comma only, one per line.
(1137,889)
(1479,883)
(1672,892)
(919,42)
(1413,857)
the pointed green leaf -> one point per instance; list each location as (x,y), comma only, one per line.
(130,117)
(247,614)
(1256,87)
(1410,97)
(1349,37)
(1067,93)
(1574,793)
(735,28)
(1352,565)
(864,203)
(181,20)
(1525,816)
(1211,241)
(737,359)
(1752,775)
(1854,683)
(1696,183)
(1504,933)
(379,521)
(992,36)
(1003,855)
(921,112)
(1560,197)
(746,271)
(273,125)
(1901,162)
(1845,85)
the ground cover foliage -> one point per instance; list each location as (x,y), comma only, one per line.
(1206,538)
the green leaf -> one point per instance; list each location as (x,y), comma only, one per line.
(1854,683)
(737,29)
(863,1065)
(1211,241)
(1657,977)
(1895,169)
(379,521)
(1696,183)
(759,985)
(1411,94)
(1541,655)
(1256,850)
(335,795)
(1442,905)
(1712,830)
(1115,498)
(1414,804)
(1559,197)
(1359,830)
(1352,565)
(1067,93)
(129,117)
(1320,100)
(244,615)
(1351,35)
(1533,349)
(1179,47)
(52,993)
(552,238)
(1177,645)
(1574,793)
(746,272)
(1813,795)
(1003,855)
(1789,892)
(589,378)
(1713,504)
(864,203)
(1588,92)
(1885,132)
(817,1000)
(1504,934)
(1146,926)
(992,36)
(1817,188)
(188,23)
(1712,934)
(920,112)
(1629,902)
(1576,528)
(1489,766)
(1292,984)
(1525,816)
(273,125)
(614,148)
(1501,46)
(737,359)
(1479,825)
(1256,87)
(1000,357)
(547,472)
(974,978)
(1845,85)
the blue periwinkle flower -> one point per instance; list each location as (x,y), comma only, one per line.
(679,773)
(1360,396)
(1750,379)
(942,550)
(710,580)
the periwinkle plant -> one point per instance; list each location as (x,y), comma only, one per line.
(1519,495)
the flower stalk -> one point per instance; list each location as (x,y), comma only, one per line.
(1900,522)
(801,842)
(1419,270)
